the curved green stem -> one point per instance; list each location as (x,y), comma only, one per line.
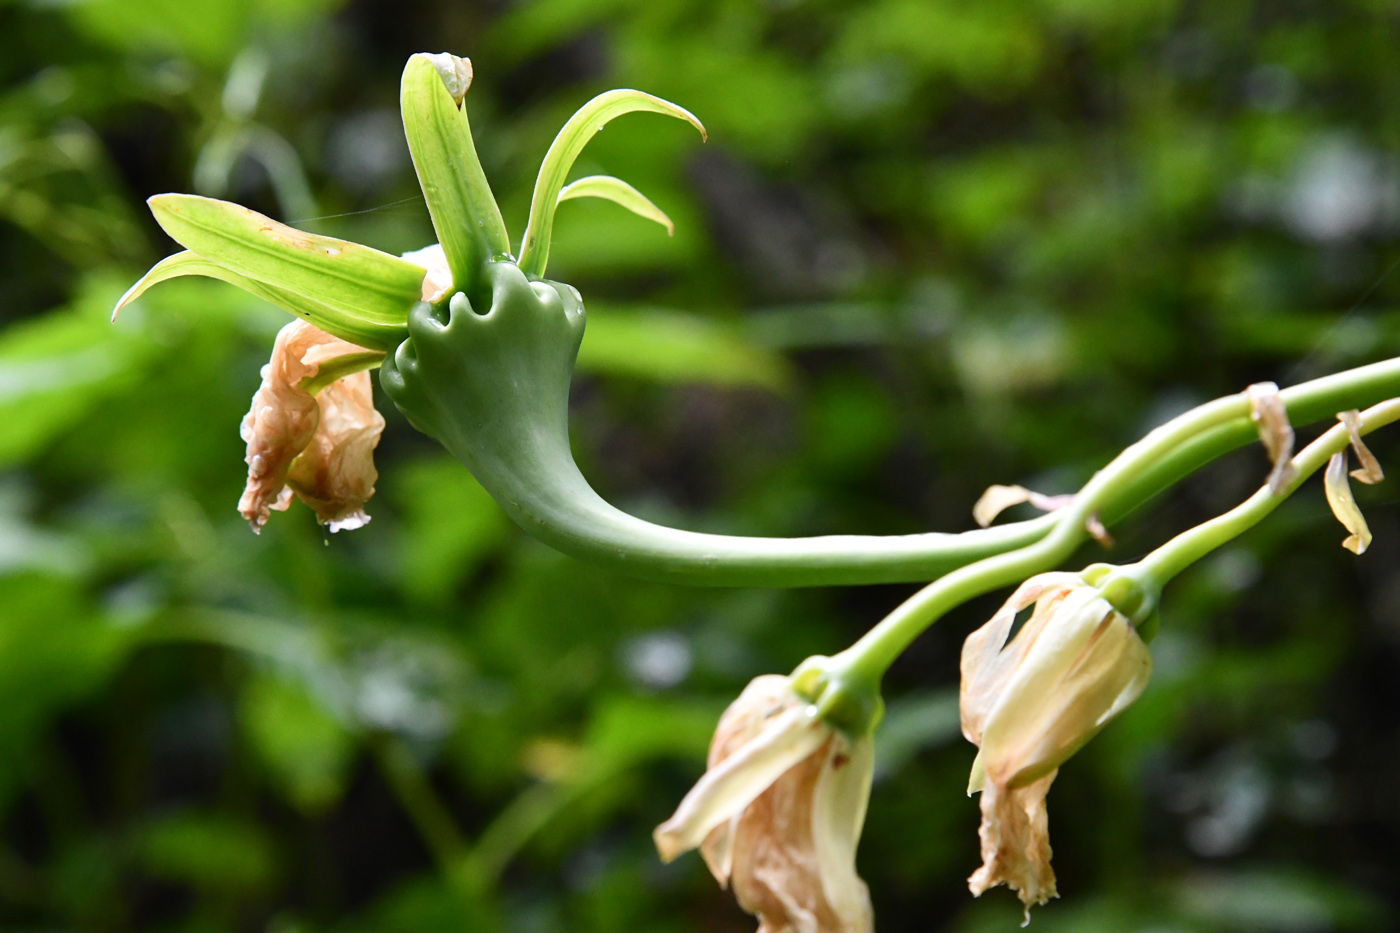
(490,380)
(1190,546)
(872,655)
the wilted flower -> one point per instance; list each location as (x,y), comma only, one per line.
(438,280)
(318,446)
(1030,705)
(779,813)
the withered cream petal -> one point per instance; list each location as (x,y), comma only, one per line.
(1269,415)
(735,782)
(1015,837)
(1344,506)
(438,278)
(335,475)
(1370,471)
(838,816)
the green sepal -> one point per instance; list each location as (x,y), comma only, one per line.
(590,118)
(345,326)
(341,366)
(619,192)
(465,215)
(358,280)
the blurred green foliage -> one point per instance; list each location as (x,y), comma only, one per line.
(930,246)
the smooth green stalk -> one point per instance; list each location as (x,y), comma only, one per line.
(340,367)
(1190,546)
(869,658)
(490,380)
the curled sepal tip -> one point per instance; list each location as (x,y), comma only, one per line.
(464,211)
(455,72)
(619,192)
(1344,506)
(590,118)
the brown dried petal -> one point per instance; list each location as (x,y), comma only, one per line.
(1015,836)
(1095,526)
(998,499)
(1269,415)
(1370,471)
(335,474)
(284,418)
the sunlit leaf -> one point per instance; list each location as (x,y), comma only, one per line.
(343,325)
(590,119)
(464,212)
(619,192)
(355,279)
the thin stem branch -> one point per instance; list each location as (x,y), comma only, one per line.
(1190,546)
(872,655)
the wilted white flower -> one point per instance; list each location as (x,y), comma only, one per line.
(1031,704)
(779,813)
(318,447)
(438,280)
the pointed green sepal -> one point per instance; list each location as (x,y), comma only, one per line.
(345,326)
(590,118)
(619,192)
(465,215)
(360,281)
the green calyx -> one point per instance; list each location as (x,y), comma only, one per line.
(1133,590)
(844,694)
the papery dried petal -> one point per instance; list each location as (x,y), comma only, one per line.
(762,734)
(438,280)
(1015,836)
(789,867)
(335,474)
(997,499)
(780,812)
(284,419)
(1095,526)
(985,667)
(1370,471)
(1267,411)
(1031,701)
(1344,506)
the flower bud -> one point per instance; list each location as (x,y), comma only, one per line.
(319,447)
(779,813)
(1032,703)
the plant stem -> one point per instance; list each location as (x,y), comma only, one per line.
(422,804)
(876,651)
(534,478)
(1190,546)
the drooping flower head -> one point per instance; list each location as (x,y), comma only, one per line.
(1032,701)
(779,813)
(316,446)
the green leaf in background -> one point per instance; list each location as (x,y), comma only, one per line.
(619,192)
(306,751)
(589,120)
(670,346)
(55,649)
(450,525)
(208,851)
(54,368)
(354,279)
